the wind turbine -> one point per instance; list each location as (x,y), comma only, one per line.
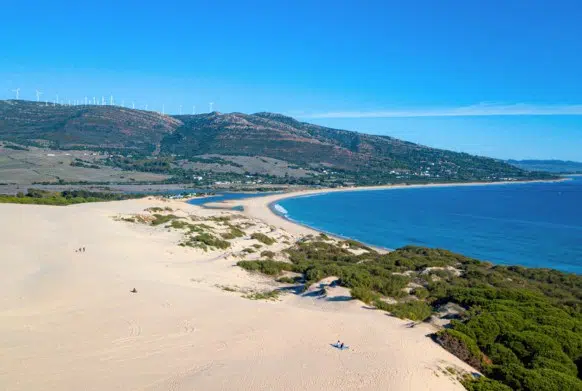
(94,101)
(193,110)
(146,106)
(102,101)
(38,94)
(133,105)
(211,104)
(17,93)
(85,101)
(111,100)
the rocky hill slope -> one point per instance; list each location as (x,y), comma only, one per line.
(180,140)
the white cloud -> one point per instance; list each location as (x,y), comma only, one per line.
(479,110)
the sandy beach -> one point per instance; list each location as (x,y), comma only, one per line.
(68,320)
(260,207)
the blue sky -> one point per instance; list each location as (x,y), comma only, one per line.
(499,78)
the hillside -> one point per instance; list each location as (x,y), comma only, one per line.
(87,127)
(553,166)
(226,147)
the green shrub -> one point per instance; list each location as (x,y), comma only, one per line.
(421,293)
(390,285)
(355,278)
(211,240)
(221,219)
(269,267)
(484,384)
(268,254)
(570,341)
(413,310)
(508,320)
(233,233)
(206,241)
(63,198)
(461,346)
(154,209)
(528,344)
(286,280)
(364,294)
(162,219)
(263,238)
(268,295)
(566,367)
(502,355)
(181,224)
(485,329)
(438,289)
(523,379)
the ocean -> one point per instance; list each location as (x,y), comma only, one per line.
(528,224)
(227,196)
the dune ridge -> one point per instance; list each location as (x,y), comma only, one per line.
(69,321)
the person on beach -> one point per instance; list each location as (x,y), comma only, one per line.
(342,346)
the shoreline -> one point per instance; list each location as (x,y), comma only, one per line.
(336,236)
(263,207)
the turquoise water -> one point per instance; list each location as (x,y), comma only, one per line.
(532,224)
(226,196)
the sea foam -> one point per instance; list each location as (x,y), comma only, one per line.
(279,209)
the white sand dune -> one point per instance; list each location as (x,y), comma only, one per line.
(69,322)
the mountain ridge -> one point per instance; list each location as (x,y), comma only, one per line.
(549,165)
(355,157)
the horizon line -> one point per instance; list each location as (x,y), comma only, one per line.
(478,110)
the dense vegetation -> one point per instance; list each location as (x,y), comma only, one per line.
(343,156)
(147,141)
(107,128)
(521,327)
(67,197)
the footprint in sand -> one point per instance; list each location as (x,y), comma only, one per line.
(222,346)
(188,327)
(133,331)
